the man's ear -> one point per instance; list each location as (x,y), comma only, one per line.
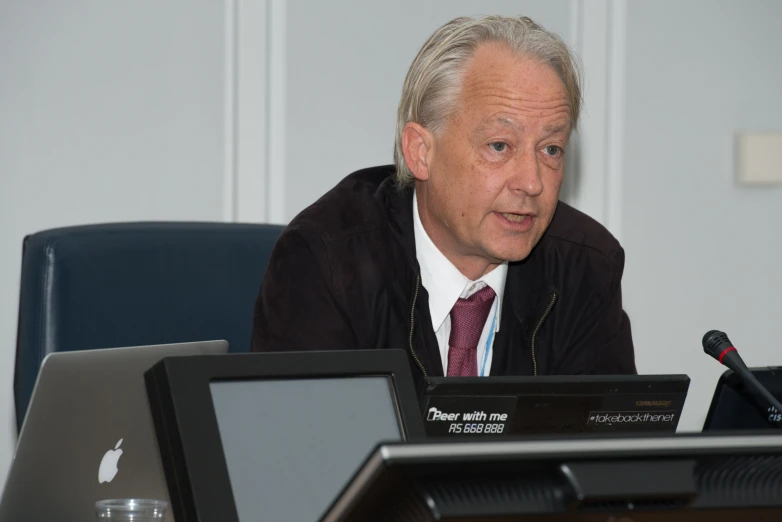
(417,143)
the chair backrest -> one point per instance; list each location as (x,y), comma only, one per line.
(131,284)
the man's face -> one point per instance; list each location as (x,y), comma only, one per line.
(493,173)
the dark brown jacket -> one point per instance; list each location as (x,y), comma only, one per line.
(344,275)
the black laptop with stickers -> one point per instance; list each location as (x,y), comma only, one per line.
(497,406)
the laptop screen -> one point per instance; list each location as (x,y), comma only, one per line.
(291,445)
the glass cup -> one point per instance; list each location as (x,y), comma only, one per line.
(131,510)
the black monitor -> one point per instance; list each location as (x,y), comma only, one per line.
(561,404)
(275,436)
(735,407)
(653,478)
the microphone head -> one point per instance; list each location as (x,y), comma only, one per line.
(716,342)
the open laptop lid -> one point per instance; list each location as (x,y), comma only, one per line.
(88,434)
(492,406)
(735,407)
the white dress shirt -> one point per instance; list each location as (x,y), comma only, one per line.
(445,285)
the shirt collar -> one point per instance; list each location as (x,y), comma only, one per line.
(442,280)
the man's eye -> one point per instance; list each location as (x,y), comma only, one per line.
(553,150)
(498,146)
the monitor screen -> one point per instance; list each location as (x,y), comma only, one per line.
(291,445)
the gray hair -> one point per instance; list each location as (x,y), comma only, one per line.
(434,78)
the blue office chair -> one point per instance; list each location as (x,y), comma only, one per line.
(130,284)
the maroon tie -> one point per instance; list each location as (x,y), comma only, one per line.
(468,317)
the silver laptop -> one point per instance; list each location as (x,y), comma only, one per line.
(88,434)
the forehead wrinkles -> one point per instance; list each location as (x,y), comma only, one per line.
(557,108)
(496,77)
(527,98)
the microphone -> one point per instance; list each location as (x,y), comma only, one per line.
(717,344)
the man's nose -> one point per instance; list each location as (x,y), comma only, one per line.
(525,177)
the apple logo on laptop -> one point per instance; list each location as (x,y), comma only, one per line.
(108,465)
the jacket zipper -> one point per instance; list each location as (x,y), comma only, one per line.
(540,323)
(412,325)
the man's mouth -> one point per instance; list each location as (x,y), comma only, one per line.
(516,218)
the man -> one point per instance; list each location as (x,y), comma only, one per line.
(461,252)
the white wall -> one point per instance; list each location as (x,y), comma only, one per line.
(250,109)
(702,252)
(109,111)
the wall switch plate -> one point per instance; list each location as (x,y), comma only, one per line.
(759,158)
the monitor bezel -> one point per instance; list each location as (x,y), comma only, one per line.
(186,425)
(393,460)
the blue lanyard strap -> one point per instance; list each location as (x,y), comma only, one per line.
(489,340)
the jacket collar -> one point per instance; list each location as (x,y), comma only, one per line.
(399,202)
